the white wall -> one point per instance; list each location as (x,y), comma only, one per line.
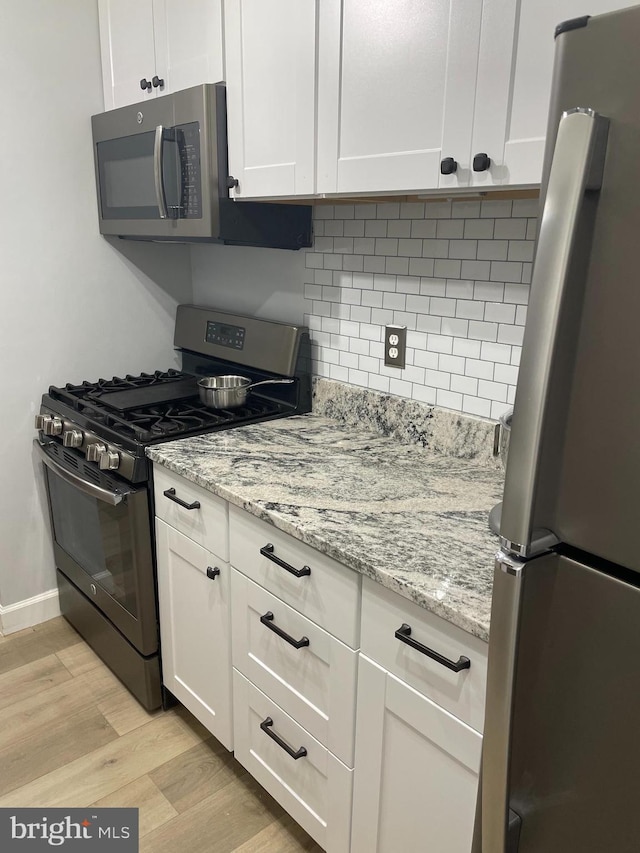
(267,283)
(73,305)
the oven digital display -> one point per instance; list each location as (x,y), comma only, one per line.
(224,335)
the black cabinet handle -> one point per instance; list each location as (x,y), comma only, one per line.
(171,494)
(157,81)
(448,166)
(212,572)
(145,84)
(481,163)
(267,620)
(266,725)
(404,635)
(232,182)
(267,551)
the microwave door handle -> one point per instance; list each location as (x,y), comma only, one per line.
(158,176)
(93,491)
(577,166)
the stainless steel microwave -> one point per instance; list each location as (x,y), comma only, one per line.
(162,174)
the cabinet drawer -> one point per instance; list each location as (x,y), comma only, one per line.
(207,524)
(315,684)
(461,693)
(329,594)
(315,788)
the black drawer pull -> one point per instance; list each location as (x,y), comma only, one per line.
(267,552)
(265,725)
(404,635)
(267,620)
(212,572)
(171,494)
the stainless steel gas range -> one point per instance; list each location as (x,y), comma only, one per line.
(92,439)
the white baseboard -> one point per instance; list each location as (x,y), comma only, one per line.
(31,611)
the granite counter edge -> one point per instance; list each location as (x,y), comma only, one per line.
(384,578)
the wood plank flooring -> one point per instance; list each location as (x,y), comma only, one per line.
(71,735)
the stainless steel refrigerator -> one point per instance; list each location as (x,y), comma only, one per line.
(561,756)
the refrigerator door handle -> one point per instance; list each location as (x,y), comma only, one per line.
(577,166)
(494,813)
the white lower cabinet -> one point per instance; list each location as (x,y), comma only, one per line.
(416,770)
(194,589)
(296,769)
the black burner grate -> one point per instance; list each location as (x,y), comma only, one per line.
(146,424)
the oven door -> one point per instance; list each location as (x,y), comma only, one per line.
(102,541)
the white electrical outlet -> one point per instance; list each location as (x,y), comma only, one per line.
(395,344)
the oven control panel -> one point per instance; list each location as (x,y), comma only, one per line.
(225,335)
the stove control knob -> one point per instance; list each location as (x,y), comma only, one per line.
(109,460)
(72,438)
(41,421)
(94,451)
(52,426)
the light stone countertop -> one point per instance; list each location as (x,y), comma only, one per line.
(414,521)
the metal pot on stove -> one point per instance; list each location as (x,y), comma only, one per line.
(229,392)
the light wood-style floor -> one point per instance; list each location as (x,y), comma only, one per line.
(72,736)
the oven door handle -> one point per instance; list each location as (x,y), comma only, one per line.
(111,498)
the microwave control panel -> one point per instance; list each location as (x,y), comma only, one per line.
(188,139)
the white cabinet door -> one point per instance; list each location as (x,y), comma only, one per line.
(128,50)
(176,41)
(195,629)
(396,90)
(532,81)
(188,40)
(270,66)
(416,770)
(493,89)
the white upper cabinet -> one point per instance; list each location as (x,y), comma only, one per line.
(168,44)
(396,92)
(271,95)
(532,76)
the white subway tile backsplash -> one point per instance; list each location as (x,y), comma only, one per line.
(510,229)
(506,271)
(478,229)
(343,211)
(467,349)
(399,228)
(481,331)
(412,210)
(455,327)
(410,247)
(422,267)
(448,399)
(466,250)
(375,228)
(526,207)
(450,229)
(432,287)
(423,358)
(493,250)
(455,274)
(390,210)
(373,264)
(426,323)
(353,263)
(421,228)
(459,289)
(500,312)
(386,246)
